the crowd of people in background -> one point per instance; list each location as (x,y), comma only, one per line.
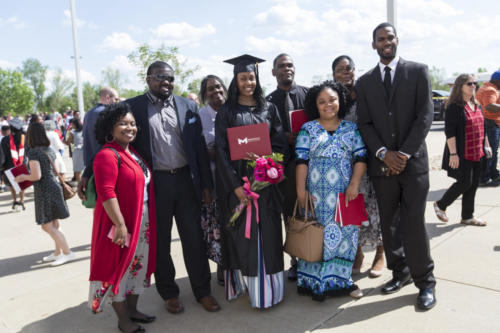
(155,158)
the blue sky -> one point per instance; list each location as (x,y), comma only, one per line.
(459,36)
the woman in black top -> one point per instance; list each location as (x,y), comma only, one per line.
(466,146)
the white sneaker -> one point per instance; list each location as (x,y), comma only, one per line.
(50,257)
(63,258)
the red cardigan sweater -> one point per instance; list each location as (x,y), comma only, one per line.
(108,261)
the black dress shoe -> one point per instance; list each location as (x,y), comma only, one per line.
(146,320)
(396,284)
(426,299)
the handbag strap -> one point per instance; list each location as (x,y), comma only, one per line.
(58,176)
(309,205)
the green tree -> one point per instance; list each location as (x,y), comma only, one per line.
(90,94)
(482,70)
(113,77)
(145,55)
(194,86)
(437,76)
(59,98)
(129,93)
(35,73)
(16,96)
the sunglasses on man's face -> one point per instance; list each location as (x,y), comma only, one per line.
(471,83)
(162,77)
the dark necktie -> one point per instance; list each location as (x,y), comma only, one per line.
(288,107)
(387,80)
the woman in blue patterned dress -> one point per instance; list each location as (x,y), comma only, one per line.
(331,159)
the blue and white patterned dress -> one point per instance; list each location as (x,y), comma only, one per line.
(330,161)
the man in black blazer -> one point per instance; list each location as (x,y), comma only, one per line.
(395,113)
(170,140)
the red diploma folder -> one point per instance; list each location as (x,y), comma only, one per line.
(297,119)
(13,173)
(354,213)
(249,139)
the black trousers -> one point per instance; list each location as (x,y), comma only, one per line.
(466,185)
(288,189)
(176,197)
(406,243)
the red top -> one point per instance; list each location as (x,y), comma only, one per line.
(474,133)
(108,261)
(488,94)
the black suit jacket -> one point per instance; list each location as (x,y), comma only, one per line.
(192,138)
(400,121)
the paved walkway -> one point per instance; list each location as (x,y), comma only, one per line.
(35,297)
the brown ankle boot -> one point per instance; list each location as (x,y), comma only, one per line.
(378,263)
(358,261)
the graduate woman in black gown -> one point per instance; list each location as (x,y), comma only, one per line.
(252,265)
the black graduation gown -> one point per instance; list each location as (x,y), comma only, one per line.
(239,252)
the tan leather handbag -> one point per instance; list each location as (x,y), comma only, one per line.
(304,236)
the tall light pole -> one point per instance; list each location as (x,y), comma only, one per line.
(77,58)
(391,12)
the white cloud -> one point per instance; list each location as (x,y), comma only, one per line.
(287,18)
(275,45)
(79,22)
(4,64)
(12,21)
(85,76)
(181,33)
(135,29)
(121,62)
(129,72)
(120,41)
(429,8)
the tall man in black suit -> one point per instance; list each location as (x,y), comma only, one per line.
(170,140)
(288,96)
(395,114)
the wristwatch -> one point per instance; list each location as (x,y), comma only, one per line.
(381,154)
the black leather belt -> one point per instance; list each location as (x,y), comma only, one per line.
(173,171)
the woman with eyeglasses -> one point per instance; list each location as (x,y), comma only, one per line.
(371,235)
(466,145)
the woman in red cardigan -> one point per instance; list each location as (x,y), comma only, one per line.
(123,249)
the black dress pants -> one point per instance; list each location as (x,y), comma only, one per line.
(406,243)
(176,197)
(466,185)
(288,189)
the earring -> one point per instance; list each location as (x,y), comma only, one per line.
(109,138)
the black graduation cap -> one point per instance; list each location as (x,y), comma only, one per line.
(244,63)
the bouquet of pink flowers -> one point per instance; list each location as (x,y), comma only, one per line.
(267,170)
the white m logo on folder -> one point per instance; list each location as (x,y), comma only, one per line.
(245,141)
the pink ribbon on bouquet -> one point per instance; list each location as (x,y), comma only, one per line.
(253,198)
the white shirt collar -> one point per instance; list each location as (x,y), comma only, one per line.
(392,65)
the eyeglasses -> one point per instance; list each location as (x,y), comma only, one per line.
(347,69)
(471,83)
(162,77)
